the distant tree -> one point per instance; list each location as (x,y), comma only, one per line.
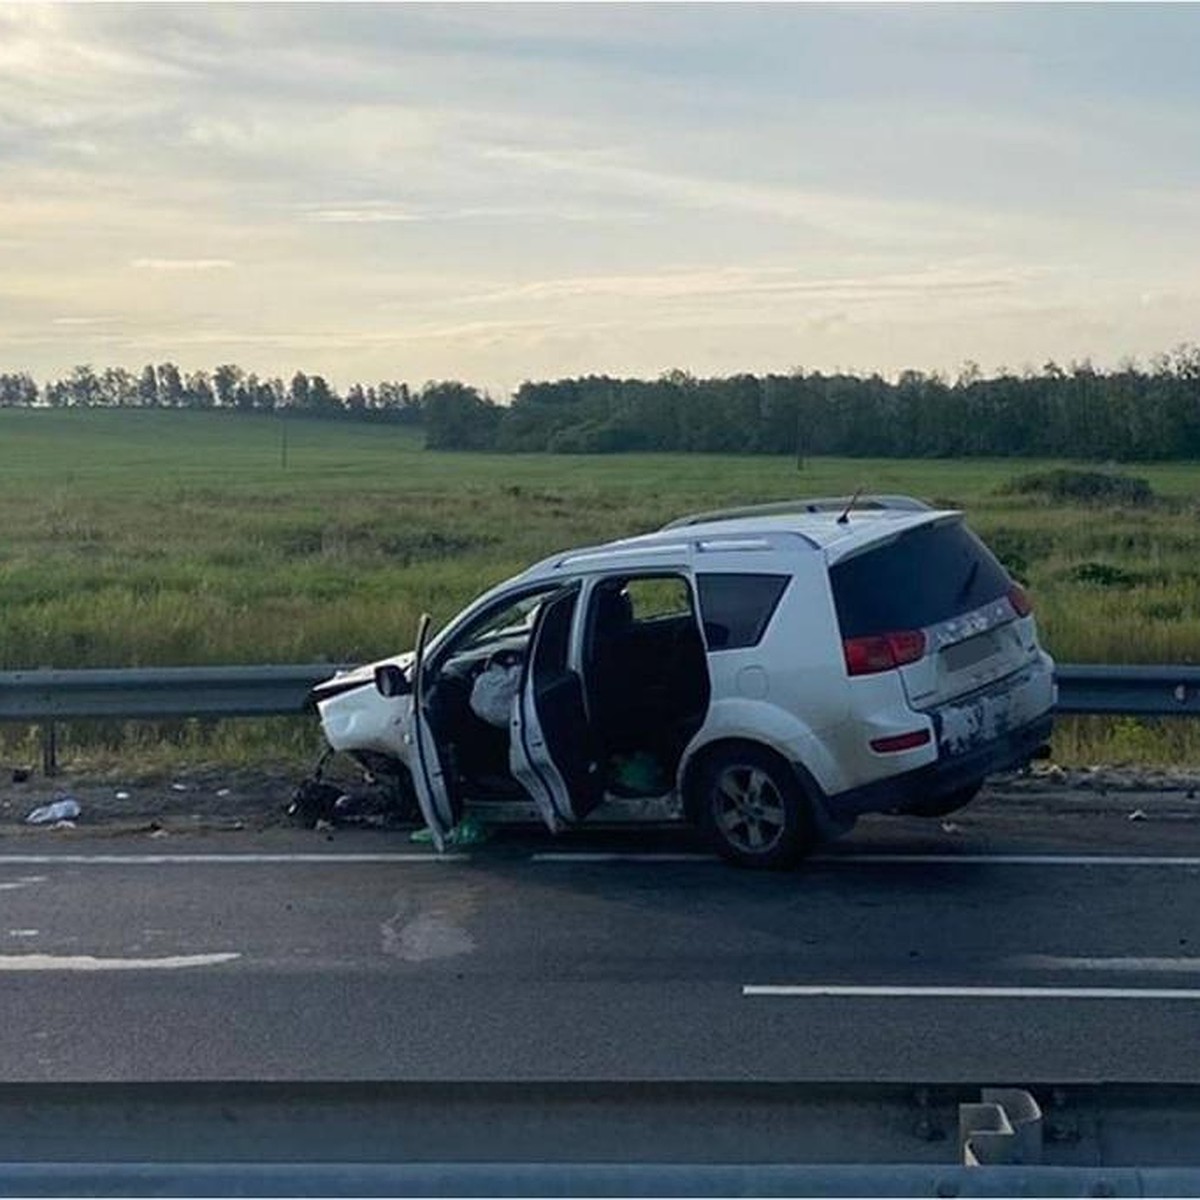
(198,391)
(170,386)
(457,417)
(118,388)
(17,391)
(147,387)
(83,388)
(321,397)
(298,391)
(228,385)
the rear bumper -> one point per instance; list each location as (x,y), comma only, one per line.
(948,774)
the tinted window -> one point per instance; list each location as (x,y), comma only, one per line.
(928,575)
(737,608)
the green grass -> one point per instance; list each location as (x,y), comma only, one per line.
(151,538)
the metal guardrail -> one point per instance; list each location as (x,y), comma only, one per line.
(1146,691)
(153,693)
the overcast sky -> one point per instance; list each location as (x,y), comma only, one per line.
(500,192)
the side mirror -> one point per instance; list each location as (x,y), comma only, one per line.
(390,680)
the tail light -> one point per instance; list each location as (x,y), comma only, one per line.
(883,652)
(902,741)
(1018,597)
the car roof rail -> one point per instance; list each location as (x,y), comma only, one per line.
(815,504)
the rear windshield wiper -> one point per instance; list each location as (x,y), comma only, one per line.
(970,579)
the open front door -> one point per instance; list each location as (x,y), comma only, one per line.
(552,751)
(430,781)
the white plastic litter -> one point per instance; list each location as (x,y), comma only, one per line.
(122,795)
(492,694)
(49,814)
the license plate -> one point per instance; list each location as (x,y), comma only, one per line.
(974,650)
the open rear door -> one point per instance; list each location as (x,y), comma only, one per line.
(430,781)
(552,751)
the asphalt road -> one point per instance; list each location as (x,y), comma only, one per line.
(1060,940)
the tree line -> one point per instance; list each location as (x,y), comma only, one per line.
(1130,413)
(227,387)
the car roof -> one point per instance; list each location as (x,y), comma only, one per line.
(801,532)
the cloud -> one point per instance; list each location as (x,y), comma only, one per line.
(182,264)
(778,282)
(363,214)
(849,215)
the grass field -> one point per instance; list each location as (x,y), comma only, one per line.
(171,538)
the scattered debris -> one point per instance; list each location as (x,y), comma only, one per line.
(64,808)
(122,795)
(323,826)
(223,792)
(951,827)
(468,832)
(313,802)
(179,787)
(1137,815)
(21,774)
(63,825)
(159,833)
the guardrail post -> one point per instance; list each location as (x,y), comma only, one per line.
(49,749)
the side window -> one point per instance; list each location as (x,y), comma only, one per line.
(736,609)
(505,624)
(554,641)
(663,597)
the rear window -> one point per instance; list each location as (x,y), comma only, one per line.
(737,608)
(926,576)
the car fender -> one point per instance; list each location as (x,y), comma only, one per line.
(362,719)
(743,719)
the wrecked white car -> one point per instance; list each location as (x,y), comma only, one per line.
(767,673)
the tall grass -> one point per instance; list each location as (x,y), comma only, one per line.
(153,538)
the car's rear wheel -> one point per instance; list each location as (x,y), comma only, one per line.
(753,809)
(943,806)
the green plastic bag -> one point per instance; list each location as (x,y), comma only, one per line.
(468,832)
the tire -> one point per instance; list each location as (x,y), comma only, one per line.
(753,809)
(943,806)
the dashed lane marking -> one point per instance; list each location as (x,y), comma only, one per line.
(833,860)
(87,962)
(158,860)
(584,856)
(1146,963)
(1019,860)
(819,990)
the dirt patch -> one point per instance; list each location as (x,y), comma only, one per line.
(206,797)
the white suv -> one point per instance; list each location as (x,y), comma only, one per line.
(768,673)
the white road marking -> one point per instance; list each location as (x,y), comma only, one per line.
(1053,962)
(23,933)
(826,860)
(158,860)
(86,962)
(972,993)
(15,885)
(591,857)
(1020,860)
